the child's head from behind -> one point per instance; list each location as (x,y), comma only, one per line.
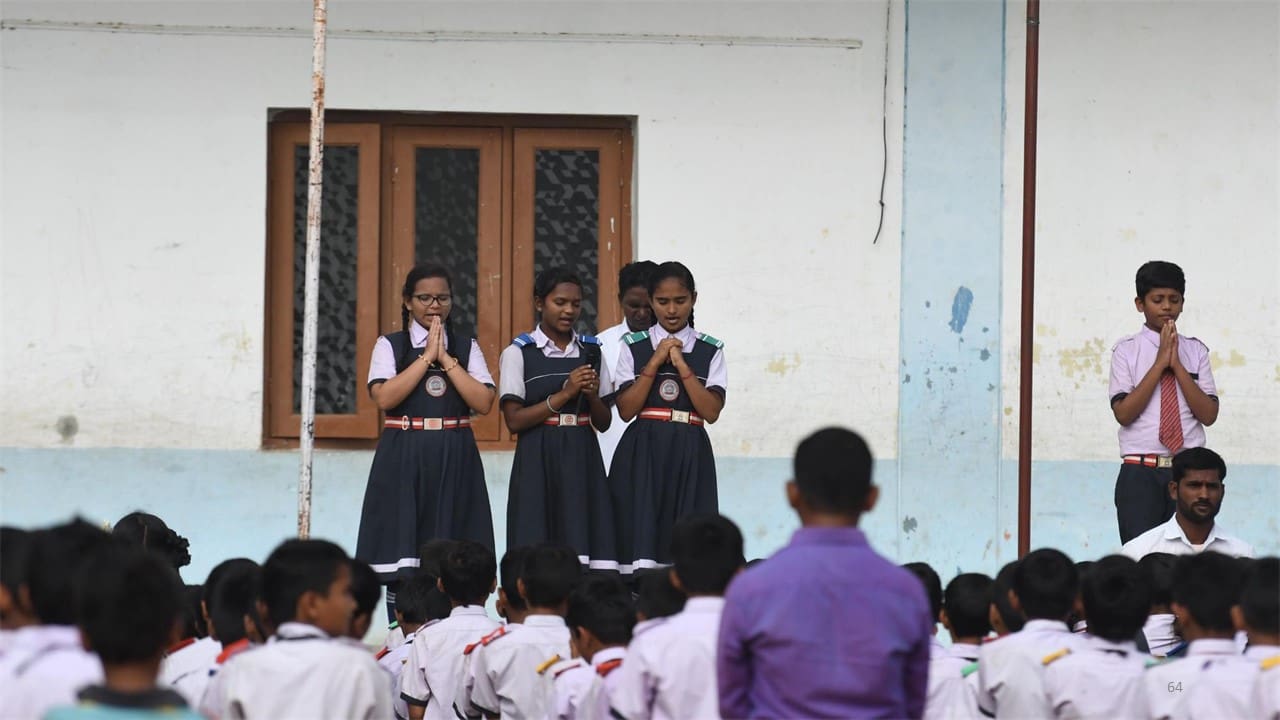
(672,295)
(706,553)
(309,581)
(1158,568)
(832,470)
(1004,617)
(633,294)
(412,598)
(1259,610)
(1116,598)
(932,586)
(510,605)
(366,590)
(1045,585)
(656,597)
(152,533)
(601,614)
(1205,586)
(432,554)
(53,560)
(14,544)
(1160,286)
(468,573)
(548,575)
(233,601)
(966,606)
(128,601)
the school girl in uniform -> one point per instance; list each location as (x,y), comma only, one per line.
(426,481)
(672,380)
(550,397)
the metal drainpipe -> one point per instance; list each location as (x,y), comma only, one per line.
(1028,274)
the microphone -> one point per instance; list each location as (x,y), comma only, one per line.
(591,354)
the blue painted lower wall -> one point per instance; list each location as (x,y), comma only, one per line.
(241,503)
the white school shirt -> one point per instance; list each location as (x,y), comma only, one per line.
(187,670)
(302,672)
(572,683)
(1099,680)
(606,681)
(504,671)
(951,694)
(717,374)
(511,364)
(382,366)
(1169,683)
(45,667)
(393,661)
(670,672)
(1266,689)
(1131,358)
(1169,538)
(611,345)
(1224,688)
(435,664)
(1161,634)
(1011,669)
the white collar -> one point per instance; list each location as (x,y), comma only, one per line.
(544,621)
(686,335)
(469,610)
(418,334)
(701,605)
(607,654)
(542,340)
(1173,531)
(1043,625)
(299,631)
(1212,646)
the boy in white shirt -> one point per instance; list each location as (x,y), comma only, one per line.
(304,671)
(966,604)
(434,671)
(601,618)
(670,670)
(411,613)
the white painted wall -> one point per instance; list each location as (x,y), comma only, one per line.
(134,195)
(1159,138)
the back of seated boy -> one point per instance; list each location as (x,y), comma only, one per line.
(1226,685)
(435,662)
(510,607)
(46,664)
(127,602)
(235,619)
(14,544)
(1102,677)
(1205,587)
(505,668)
(670,670)
(303,671)
(966,616)
(1260,613)
(411,616)
(656,598)
(366,591)
(946,684)
(1160,632)
(1011,668)
(601,618)
(188,670)
(430,555)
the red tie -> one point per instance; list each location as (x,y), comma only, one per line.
(1170,417)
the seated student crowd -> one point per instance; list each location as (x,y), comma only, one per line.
(824,628)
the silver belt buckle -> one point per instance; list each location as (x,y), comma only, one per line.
(432,423)
(1164,461)
(568,420)
(680,416)
(405,424)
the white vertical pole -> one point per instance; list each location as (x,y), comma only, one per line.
(311,285)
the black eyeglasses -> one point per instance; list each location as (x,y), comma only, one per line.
(440,300)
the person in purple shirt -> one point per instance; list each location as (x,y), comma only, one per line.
(826,627)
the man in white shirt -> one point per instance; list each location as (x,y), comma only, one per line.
(633,296)
(1011,668)
(1197,488)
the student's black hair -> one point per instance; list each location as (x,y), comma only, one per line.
(234,595)
(468,572)
(672,270)
(635,274)
(126,602)
(832,469)
(54,558)
(932,585)
(1159,274)
(432,554)
(14,545)
(1208,584)
(296,567)
(967,601)
(365,587)
(439,606)
(1046,583)
(153,534)
(422,272)
(192,617)
(509,575)
(549,573)
(706,552)
(1013,620)
(1198,458)
(411,599)
(1116,598)
(1260,596)
(1158,568)
(602,604)
(548,279)
(656,597)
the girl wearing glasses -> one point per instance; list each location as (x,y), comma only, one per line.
(551,380)
(426,481)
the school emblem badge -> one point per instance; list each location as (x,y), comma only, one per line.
(436,386)
(669,390)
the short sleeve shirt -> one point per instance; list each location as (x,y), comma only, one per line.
(1131,358)
(717,375)
(382,366)
(511,364)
